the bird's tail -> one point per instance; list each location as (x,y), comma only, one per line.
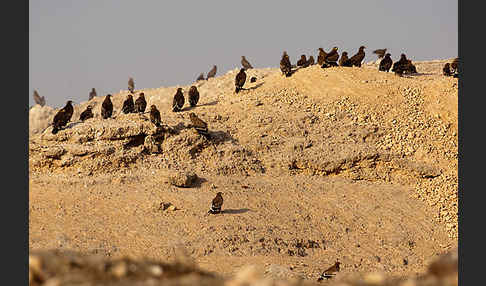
(55,130)
(237,90)
(214,210)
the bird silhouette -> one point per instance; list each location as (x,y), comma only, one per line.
(321,56)
(131,85)
(245,63)
(200,77)
(310,62)
(154,115)
(92,94)
(193,96)
(38,99)
(302,61)
(62,117)
(107,107)
(358,57)
(140,103)
(332,57)
(285,65)
(455,66)
(240,80)
(385,63)
(212,72)
(446,70)
(380,53)
(178,101)
(128,105)
(344,60)
(86,114)
(216,204)
(200,126)
(330,272)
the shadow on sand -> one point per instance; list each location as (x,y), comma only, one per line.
(235,211)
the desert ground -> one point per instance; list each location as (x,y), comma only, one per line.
(347,164)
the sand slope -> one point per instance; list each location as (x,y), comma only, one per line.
(342,163)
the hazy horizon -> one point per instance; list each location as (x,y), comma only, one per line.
(74,46)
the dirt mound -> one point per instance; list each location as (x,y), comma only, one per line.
(70,268)
(347,163)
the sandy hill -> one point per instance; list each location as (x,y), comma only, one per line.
(339,163)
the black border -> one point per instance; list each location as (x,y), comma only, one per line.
(15,115)
(471,86)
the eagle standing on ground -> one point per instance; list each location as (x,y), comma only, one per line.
(212,72)
(302,61)
(358,57)
(245,63)
(62,117)
(240,80)
(330,272)
(410,67)
(140,103)
(193,96)
(178,101)
(128,105)
(86,114)
(216,204)
(332,57)
(455,65)
(285,65)
(446,70)
(200,126)
(380,53)
(92,94)
(310,62)
(386,63)
(131,85)
(39,100)
(154,115)
(399,66)
(344,60)
(321,57)
(107,107)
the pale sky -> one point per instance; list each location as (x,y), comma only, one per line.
(77,45)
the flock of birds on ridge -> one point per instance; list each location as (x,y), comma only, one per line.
(402,66)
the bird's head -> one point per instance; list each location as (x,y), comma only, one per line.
(69,102)
(130,96)
(141,95)
(108,95)
(242,70)
(179,89)
(335,49)
(345,53)
(362,48)
(388,55)
(153,107)
(447,64)
(403,56)
(219,194)
(89,107)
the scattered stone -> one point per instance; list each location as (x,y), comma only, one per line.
(183,179)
